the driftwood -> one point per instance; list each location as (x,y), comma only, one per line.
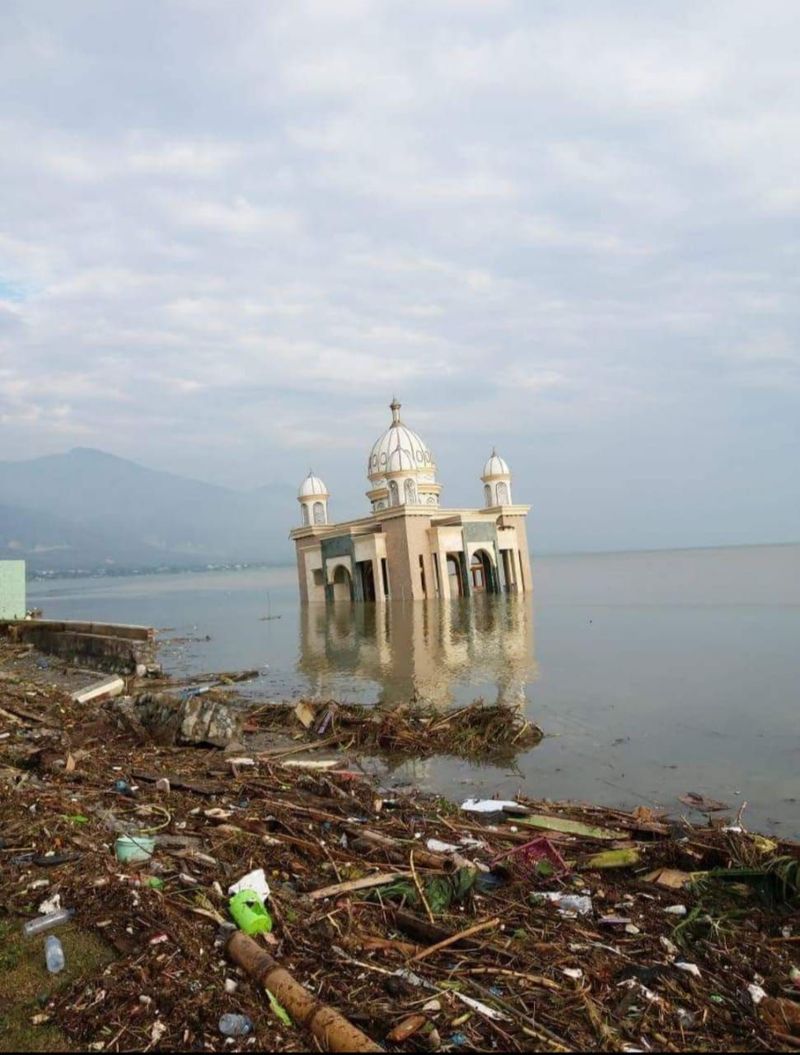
(382,879)
(328,1027)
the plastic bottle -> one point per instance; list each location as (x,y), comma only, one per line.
(54,954)
(52,919)
(235,1025)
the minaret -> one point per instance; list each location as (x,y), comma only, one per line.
(313,498)
(496,482)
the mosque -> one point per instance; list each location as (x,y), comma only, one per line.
(409,547)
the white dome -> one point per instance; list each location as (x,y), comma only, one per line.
(399,448)
(496,466)
(312,485)
(400,460)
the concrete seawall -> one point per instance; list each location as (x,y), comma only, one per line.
(118,648)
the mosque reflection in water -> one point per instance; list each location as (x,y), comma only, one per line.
(435,652)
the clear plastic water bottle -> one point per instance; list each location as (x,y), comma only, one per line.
(52,919)
(54,954)
(235,1025)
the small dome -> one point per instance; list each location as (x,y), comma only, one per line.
(312,485)
(402,447)
(496,466)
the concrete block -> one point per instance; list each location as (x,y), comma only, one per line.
(106,688)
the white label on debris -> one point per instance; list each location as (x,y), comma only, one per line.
(256,881)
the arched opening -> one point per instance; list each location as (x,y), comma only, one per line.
(487,494)
(482,574)
(410,489)
(367,573)
(394,493)
(305,514)
(454,575)
(502,494)
(342,584)
(319,513)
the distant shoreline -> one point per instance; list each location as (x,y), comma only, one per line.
(34,575)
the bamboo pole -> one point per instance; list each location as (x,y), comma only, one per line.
(331,1029)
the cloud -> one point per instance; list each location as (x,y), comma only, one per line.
(224,243)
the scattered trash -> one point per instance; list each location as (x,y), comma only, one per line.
(538,857)
(569,827)
(134,849)
(54,954)
(255,881)
(670,878)
(52,919)
(686,1020)
(489,805)
(99,690)
(247,908)
(358,893)
(757,994)
(406,1029)
(50,905)
(579,904)
(611,859)
(235,1025)
(676,910)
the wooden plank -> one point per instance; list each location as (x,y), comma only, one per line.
(382,879)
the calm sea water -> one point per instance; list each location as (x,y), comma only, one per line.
(652,674)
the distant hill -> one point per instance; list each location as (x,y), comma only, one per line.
(87,509)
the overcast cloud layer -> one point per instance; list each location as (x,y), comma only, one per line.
(230,231)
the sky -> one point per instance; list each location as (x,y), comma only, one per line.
(230,232)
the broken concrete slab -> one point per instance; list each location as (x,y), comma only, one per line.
(106,688)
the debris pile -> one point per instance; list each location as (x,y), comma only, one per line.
(395,922)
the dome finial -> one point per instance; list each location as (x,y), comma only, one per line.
(395,409)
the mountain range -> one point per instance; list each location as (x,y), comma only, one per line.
(86,509)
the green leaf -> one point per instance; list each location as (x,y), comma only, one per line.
(279,1012)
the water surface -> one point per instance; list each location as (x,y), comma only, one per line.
(652,674)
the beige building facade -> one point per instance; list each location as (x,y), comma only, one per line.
(409,547)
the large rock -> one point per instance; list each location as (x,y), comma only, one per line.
(200,720)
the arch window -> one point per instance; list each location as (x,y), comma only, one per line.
(394,493)
(502,494)
(319,513)
(410,489)
(487,493)
(305,513)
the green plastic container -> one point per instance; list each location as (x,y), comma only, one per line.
(134,849)
(248,911)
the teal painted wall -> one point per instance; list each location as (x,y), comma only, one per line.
(12,589)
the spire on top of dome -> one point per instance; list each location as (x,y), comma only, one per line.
(395,409)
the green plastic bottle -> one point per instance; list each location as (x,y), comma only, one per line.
(249,912)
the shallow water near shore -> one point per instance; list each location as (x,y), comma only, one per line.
(651,674)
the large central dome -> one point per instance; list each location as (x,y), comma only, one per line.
(401,468)
(398,448)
